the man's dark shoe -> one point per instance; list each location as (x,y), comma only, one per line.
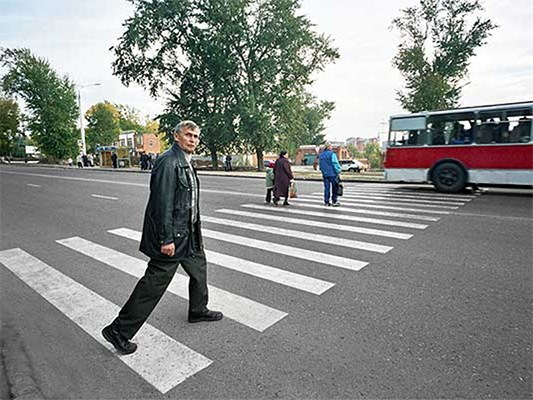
(119,342)
(207,316)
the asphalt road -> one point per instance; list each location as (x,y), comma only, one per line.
(434,303)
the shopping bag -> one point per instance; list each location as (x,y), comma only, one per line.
(292,191)
(340,188)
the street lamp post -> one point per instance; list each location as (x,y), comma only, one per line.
(82,130)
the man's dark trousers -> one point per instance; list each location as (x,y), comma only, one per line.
(152,286)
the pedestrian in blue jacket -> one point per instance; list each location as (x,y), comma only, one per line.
(330,167)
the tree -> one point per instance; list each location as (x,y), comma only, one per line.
(103,126)
(49,99)
(372,153)
(9,125)
(302,122)
(235,62)
(439,39)
(354,152)
(129,119)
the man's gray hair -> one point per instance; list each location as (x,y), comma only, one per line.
(187,124)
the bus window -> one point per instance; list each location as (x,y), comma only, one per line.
(519,126)
(408,131)
(449,129)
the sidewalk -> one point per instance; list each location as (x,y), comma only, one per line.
(301,173)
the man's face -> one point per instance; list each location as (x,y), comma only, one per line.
(187,139)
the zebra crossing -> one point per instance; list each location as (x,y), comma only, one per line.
(165,362)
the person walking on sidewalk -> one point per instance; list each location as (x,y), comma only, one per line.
(330,168)
(171,237)
(282,178)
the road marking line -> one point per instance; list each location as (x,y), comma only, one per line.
(160,360)
(99,196)
(364,199)
(318,224)
(287,278)
(32,185)
(387,198)
(337,216)
(315,256)
(394,193)
(245,311)
(357,211)
(355,244)
(355,203)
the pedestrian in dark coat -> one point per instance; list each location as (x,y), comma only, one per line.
(282,178)
(114,160)
(171,237)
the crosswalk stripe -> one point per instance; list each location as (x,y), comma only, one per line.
(408,195)
(398,202)
(337,216)
(387,198)
(313,199)
(287,278)
(310,255)
(355,244)
(160,360)
(461,197)
(318,224)
(357,211)
(248,312)
(291,251)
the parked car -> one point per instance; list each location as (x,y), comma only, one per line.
(351,166)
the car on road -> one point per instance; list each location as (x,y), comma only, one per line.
(351,166)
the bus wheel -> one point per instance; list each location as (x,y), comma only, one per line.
(449,177)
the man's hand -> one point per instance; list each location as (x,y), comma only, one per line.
(168,249)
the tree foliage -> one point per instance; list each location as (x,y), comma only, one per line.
(103,126)
(439,39)
(129,119)
(372,153)
(236,66)
(9,125)
(49,98)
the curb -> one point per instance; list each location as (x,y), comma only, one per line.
(252,175)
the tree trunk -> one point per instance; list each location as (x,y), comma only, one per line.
(214,159)
(259,154)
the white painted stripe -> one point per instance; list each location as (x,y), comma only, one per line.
(310,255)
(331,210)
(416,196)
(337,216)
(160,360)
(355,203)
(395,197)
(318,224)
(32,185)
(248,312)
(364,199)
(296,252)
(99,196)
(352,244)
(287,278)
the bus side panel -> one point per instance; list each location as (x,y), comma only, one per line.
(519,156)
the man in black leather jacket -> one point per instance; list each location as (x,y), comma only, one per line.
(171,236)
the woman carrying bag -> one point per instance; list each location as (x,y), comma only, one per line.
(283,178)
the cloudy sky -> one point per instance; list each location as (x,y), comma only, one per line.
(75,35)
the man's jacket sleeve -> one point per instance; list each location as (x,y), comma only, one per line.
(163,188)
(336,165)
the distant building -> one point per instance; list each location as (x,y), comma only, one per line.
(350,141)
(148,143)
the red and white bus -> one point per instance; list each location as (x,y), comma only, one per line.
(487,145)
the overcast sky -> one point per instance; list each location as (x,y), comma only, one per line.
(75,36)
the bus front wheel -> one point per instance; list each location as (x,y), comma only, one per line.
(449,178)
